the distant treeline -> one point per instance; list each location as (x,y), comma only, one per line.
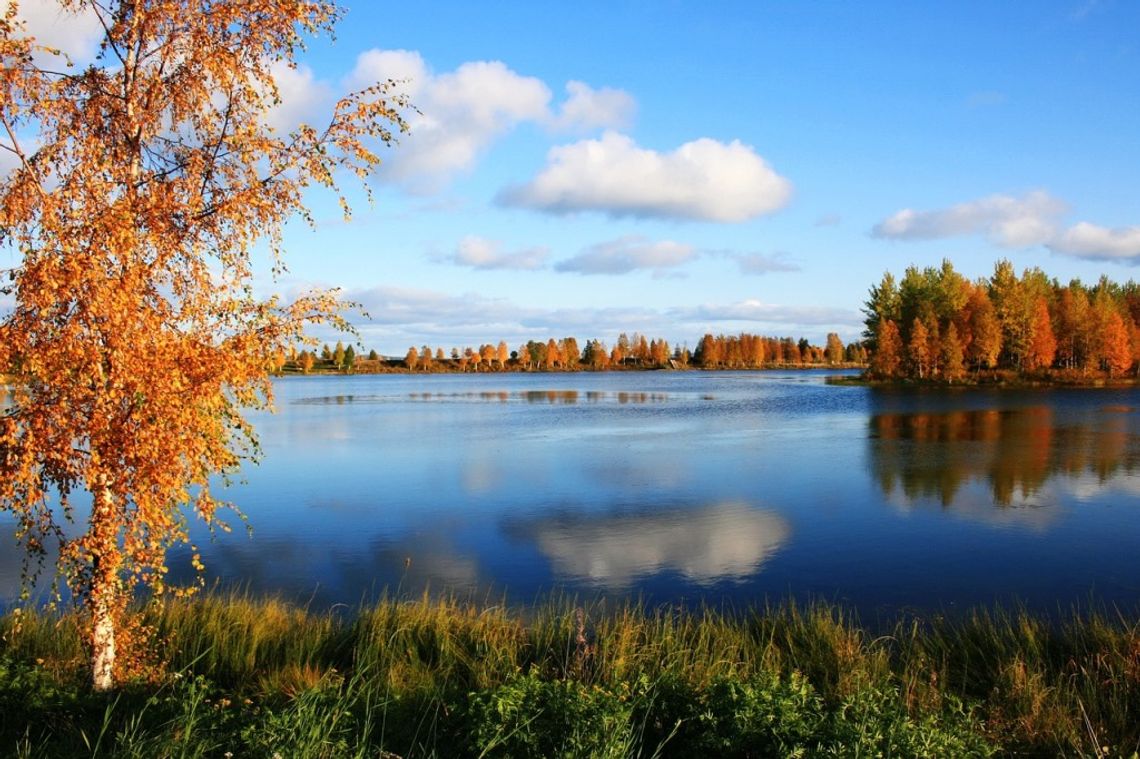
(744,351)
(934,325)
(937,325)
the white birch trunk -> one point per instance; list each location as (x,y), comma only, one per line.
(104,576)
(103,643)
(103,590)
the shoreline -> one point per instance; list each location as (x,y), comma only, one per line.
(990,381)
(396,367)
(987,381)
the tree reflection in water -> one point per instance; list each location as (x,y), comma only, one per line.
(1016,451)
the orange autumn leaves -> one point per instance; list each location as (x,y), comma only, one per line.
(143,183)
(935,324)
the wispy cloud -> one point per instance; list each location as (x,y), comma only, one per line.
(703,180)
(418,307)
(759,263)
(403,316)
(1005,220)
(481,253)
(758,312)
(1011,222)
(1085,8)
(627,254)
(986,99)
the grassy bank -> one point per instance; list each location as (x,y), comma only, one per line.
(426,678)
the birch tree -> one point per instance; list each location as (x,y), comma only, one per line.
(144,182)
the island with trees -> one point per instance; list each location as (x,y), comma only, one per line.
(937,326)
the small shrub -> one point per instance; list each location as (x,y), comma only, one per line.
(875,722)
(529,716)
(757,716)
(317,723)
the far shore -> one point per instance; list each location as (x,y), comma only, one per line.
(448,366)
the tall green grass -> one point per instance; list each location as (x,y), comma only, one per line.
(259,677)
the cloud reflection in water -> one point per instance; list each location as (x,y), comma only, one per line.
(723,541)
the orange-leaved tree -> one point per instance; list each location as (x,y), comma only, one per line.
(143,182)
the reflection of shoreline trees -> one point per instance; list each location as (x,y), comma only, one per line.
(550,397)
(1015,451)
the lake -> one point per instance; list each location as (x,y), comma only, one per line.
(730,489)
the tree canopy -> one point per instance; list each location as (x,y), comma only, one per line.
(144,182)
(935,324)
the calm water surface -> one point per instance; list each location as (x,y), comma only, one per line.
(722,488)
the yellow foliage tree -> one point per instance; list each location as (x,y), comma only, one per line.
(488,353)
(1043,343)
(918,349)
(951,347)
(143,182)
(1116,345)
(886,361)
(553,354)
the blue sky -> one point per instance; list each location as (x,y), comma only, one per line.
(677,168)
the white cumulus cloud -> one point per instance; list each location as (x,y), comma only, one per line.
(589,108)
(302,97)
(1085,240)
(481,253)
(1008,221)
(456,116)
(8,159)
(405,66)
(461,113)
(704,179)
(753,310)
(75,34)
(627,254)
